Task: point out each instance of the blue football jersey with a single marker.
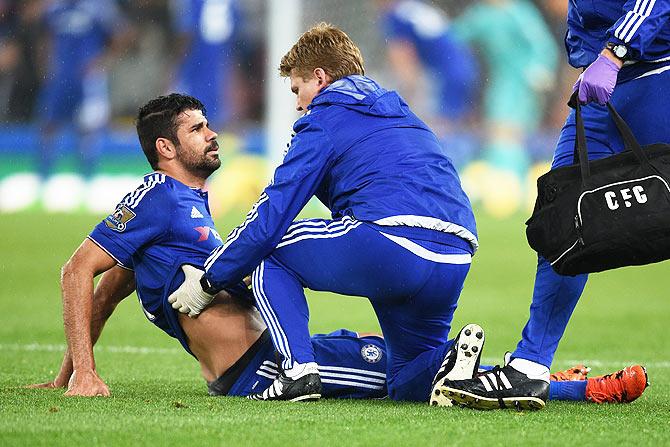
(153, 231)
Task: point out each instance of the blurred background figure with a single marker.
(20, 35)
(555, 12)
(207, 62)
(521, 61)
(85, 37)
(204, 54)
(429, 63)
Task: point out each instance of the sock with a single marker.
(569, 390)
(531, 369)
(302, 369)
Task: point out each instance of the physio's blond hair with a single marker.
(323, 46)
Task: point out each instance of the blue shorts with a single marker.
(350, 367)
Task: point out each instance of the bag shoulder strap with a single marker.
(581, 152)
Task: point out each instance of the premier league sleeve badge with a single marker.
(118, 220)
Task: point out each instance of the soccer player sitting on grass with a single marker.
(157, 228)
(166, 222)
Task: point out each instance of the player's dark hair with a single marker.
(158, 119)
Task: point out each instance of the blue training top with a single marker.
(153, 231)
(364, 154)
(642, 25)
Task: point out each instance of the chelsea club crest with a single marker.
(371, 353)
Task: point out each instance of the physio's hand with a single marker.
(597, 82)
(189, 298)
(86, 383)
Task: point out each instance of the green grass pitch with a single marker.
(159, 397)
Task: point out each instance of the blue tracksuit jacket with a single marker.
(364, 154)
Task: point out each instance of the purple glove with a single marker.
(597, 82)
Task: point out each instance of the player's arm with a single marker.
(114, 285)
(637, 28)
(295, 181)
(112, 242)
(88, 261)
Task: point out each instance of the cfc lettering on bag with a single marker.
(637, 193)
(640, 196)
(611, 201)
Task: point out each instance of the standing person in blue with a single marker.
(419, 42)
(207, 31)
(624, 49)
(155, 229)
(86, 37)
(402, 231)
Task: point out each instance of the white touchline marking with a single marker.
(39, 347)
(558, 364)
(592, 363)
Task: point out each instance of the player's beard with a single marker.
(201, 164)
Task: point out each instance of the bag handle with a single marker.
(629, 140)
(581, 153)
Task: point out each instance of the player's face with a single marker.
(197, 148)
(304, 89)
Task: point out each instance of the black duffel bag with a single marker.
(603, 214)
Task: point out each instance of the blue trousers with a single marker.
(643, 104)
(412, 284)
